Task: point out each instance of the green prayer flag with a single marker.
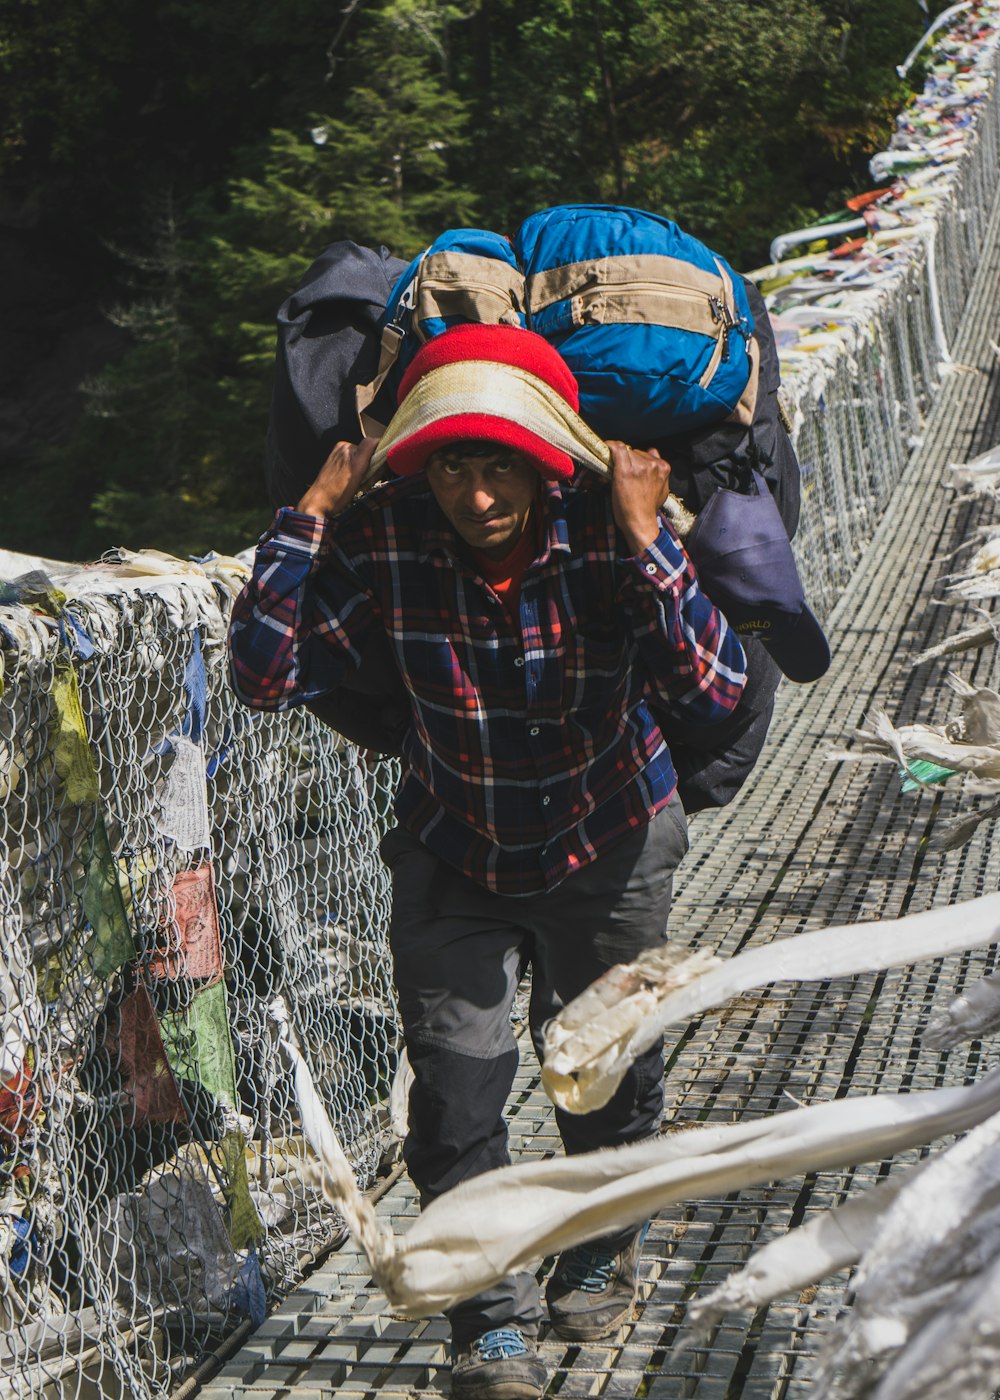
(920, 772)
(245, 1225)
(110, 944)
(199, 1045)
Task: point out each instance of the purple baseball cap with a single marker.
(745, 564)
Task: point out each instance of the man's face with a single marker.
(486, 491)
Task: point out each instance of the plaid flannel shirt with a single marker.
(532, 747)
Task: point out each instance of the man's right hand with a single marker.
(640, 483)
(339, 479)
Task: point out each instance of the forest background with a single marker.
(169, 169)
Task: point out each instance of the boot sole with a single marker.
(503, 1390)
(593, 1332)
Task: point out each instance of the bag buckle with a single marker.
(722, 314)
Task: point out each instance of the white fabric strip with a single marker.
(509, 1218)
(589, 1046)
(973, 1014)
(340, 1186)
(182, 815)
(498, 391)
(940, 1233)
(834, 1239)
(18, 1013)
(955, 1354)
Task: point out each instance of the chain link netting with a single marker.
(153, 907)
(858, 414)
(170, 864)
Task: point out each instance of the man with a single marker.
(531, 614)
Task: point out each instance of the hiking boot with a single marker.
(592, 1289)
(502, 1364)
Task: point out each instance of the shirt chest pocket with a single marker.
(595, 664)
(442, 672)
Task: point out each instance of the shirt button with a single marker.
(534, 729)
(519, 661)
(650, 568)
(546, 801)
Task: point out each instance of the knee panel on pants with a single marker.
(457, 1129)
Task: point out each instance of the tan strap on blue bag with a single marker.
(447, 285)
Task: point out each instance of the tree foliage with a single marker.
(218, 148)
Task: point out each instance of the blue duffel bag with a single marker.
(655, 326)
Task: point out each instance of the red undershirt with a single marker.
(504, 575)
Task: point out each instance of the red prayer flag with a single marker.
(192, 946)
(135, 1043)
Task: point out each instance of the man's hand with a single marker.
(339, 478)
(640, 483)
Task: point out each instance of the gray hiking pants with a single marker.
(458, 953)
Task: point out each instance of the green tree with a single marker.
(739, 119)
(278, 128)
(177, 425)
(105, 103)
(543, 79)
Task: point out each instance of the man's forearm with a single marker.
(693, 657)
(276, 657)
(272, 627)
(339, 479)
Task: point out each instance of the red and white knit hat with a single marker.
(493, 384)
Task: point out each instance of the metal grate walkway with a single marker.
(810, 843)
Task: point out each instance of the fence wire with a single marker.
(170, 864)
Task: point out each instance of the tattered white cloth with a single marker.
(19, 1013)
(510, 1218)
(507, 1219)
(927, 1242)
(182, 814)
(591, 1043)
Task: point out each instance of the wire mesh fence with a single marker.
(858, 411)
(171, 864)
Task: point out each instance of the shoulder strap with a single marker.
(447, 286)
(743, 413)
(365, 395)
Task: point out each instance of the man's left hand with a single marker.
(339, 479)
(640, 483)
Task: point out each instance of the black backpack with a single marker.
(329, 342)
